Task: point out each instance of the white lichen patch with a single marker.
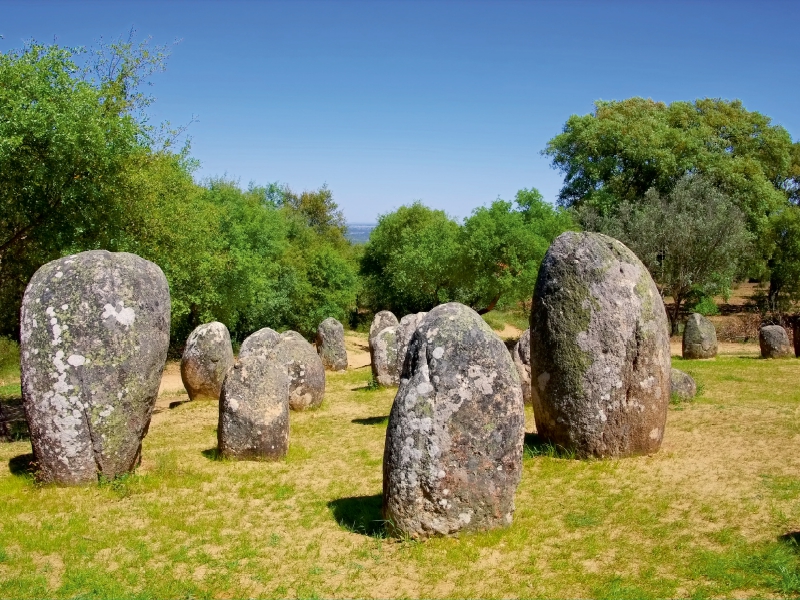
(124, 316)
(76, 360)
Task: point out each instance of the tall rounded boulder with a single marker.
(207, 357)
(383, 356)
(774, 342)
(254, 411)
(330, 345)
(94, 339)
(304, 368)
(699, 338)
(521, 355)
(453, 453)
(600, 357)
(259, 343)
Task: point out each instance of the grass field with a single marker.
(713, 514)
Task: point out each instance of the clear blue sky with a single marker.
(446, 102)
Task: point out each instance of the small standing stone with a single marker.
(206, 359)
(600, 356)
(699, 338)
(305, 370)
(453, 453)
(94, 339)
(774, 342)
(330, 345)
(383, 354)
(259, 343)
(521, 354)
(682, 385)
(382, 320)
(254, 411)
(796, 337)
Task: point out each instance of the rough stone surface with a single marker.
(94, 333)
(383, 355)
(330, 345)
(254, 411)
(259, 343)
(600, 357)
(405, 331)
(521, 354)
(774, 342)
(796, 338)
(304, 368)
(453, 453)
(206, 359)
(682, 385)
(382, 320)
(699, 338)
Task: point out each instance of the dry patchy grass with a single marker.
(700, 518)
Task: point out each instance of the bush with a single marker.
(706, 306)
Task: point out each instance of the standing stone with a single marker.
(405, 331)
(383, 355)
(305, 370)
(206, 359)
(254, 411)
(600, 356)
(521, 354)
(330, 345)
(699, 338)
(774, 342)
(796, 337)
(94, 333)
(453, 453)
(259, 343)
(682, 385)
(382, 320)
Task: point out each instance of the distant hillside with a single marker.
(358, 233)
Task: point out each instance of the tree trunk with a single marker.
(676, 311)
(491, 306)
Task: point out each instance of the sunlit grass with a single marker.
(713, 514)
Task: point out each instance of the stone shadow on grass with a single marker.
(211, 454)
(371, 420)
(535, 445)
(360, 514)
(23, 465)
(792, 538)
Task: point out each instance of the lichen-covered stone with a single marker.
(600, 358)
(94, 333)
(259, 343)
(254, 411)
(304, 368)
(774, 342)
(453, 453)
(206, 359)
(699, 338)
(330, 345)
(521, 355)
(383, 355)
(682, 385)
(405, 331)
(382, 320)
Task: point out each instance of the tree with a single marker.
(66, 144)
(502, 248)
(410, 262)
(623, 149)
(784, 263)
(693, 239)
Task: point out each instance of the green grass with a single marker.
(713, 514)
(497, 319)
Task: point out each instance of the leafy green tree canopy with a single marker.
(623, 149)
(692, 240)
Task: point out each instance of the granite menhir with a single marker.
(94, 333)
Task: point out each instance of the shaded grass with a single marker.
(714, 514)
